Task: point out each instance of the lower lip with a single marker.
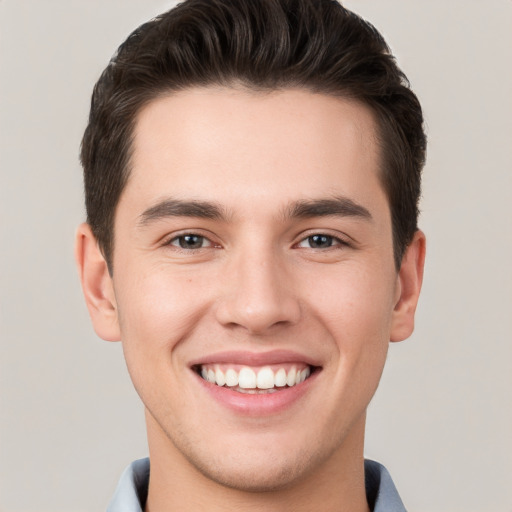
(258, 404)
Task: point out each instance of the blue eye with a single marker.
(190, 241)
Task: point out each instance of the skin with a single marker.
(256, 283)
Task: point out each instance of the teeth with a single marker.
(220, 380)
(265, 378)
(280, 378)
(250, 380)
(231, 378)
(290, 378)
(246, 378)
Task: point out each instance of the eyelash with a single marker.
(333, 241)
(176, 242)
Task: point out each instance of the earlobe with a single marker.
(97, 284)
(410, 278)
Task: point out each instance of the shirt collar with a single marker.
(132, 490)
(381, 492)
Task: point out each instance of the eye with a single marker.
(190, 241)
(320, 241)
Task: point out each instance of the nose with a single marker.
(257, 294)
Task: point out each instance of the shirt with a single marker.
(132, 490)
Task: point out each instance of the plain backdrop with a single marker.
(441, 420)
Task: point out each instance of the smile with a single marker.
(255, 380)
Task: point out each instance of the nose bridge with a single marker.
(257, 294)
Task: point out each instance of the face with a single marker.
(254, 287)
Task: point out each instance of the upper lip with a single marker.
(255, 358)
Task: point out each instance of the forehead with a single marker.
(218, 143)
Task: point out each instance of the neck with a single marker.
(337, 485)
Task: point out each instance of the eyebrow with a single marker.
(180, 208)
(302, 209)
(335, 206)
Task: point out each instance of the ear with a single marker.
(97, 285)
(409, 281)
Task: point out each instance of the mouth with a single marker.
(255, 379)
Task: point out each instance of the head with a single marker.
(270, 45)
(252, 174)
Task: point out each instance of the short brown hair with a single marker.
(316, 45)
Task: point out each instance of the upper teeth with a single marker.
(249, 378)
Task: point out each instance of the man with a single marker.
(252, 173)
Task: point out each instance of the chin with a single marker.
(243, 473)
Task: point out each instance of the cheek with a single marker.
(156, 314)
(157, 305)
(354, 304)
(356, 309)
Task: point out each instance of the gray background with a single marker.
(442, 418)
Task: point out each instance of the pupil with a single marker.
(320, 241)
(191, 242)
